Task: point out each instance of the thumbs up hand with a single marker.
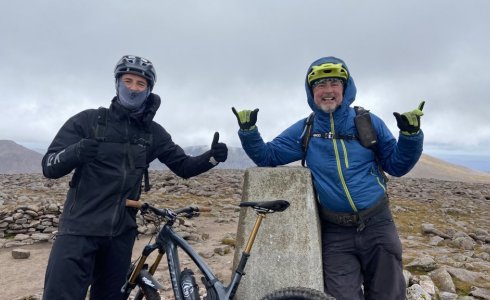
(219, 151)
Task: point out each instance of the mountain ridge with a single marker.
(16, 159)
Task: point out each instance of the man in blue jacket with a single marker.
(110, 150)
(362, 253)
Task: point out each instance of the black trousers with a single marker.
(77, 262)
(371, 258)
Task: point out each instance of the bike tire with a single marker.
(297, 293)
(146, 292)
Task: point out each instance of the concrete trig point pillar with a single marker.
(287, 250)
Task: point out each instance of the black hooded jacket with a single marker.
(96, 199)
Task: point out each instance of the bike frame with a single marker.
(168, 242)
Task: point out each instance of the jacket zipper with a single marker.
(123, 181)
(75, 199)
(339, 166)
(346, 159)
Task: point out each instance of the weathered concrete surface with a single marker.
(287, 250)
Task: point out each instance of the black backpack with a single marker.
(367, 134)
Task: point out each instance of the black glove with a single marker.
(409, 122)
(246, 118)
(219, 151)
(87, 150)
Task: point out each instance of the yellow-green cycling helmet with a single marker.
(327, 70)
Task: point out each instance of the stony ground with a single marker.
(444, 227)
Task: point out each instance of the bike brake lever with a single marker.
(191, 215)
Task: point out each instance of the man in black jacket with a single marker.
(110, 150)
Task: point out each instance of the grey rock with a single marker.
(435, 240)
(424, 263)
(466, 243)
(32, 213)
(40, 236)
(222, 250)
(416, 292)
(49, 229)
(448, 296)
(21, 237)
(21, 221)
(52, 208)
(17, 216)
(443, 280)
(20, 254)
(427, 285)
(480, 293)
(468, 276)
(407, 275)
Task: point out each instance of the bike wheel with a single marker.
(146, 292)
(297, 293)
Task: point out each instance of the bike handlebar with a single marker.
(143, 206)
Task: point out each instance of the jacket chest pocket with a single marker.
(139, 155)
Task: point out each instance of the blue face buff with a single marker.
(130, 99)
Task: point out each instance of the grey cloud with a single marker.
(59, 57)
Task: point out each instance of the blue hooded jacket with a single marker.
(345, 174)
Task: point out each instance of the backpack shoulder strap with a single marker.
(360, 110)
(365, 129)
(367, 135)
(97, 134)
(100, 127)
(307, 136)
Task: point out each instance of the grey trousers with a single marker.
(371, 258)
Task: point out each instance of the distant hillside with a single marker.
(16, 159)
(237, 158)
(431, 167)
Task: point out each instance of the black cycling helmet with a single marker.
(136, 65)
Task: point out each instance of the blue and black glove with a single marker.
(409, 122)
(219, 151)
(86, 150)
(246, 118)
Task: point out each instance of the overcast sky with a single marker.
(57, 58)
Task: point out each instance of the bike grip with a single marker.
(204, 209)
(133, 203)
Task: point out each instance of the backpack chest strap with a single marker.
(331, 136)
(138, 140)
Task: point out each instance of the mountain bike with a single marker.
(184, 285)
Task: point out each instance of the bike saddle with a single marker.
(267, 206)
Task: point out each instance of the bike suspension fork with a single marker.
(141, 263)
(155, 264)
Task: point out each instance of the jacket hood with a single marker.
(349, 91)
(152, 105)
